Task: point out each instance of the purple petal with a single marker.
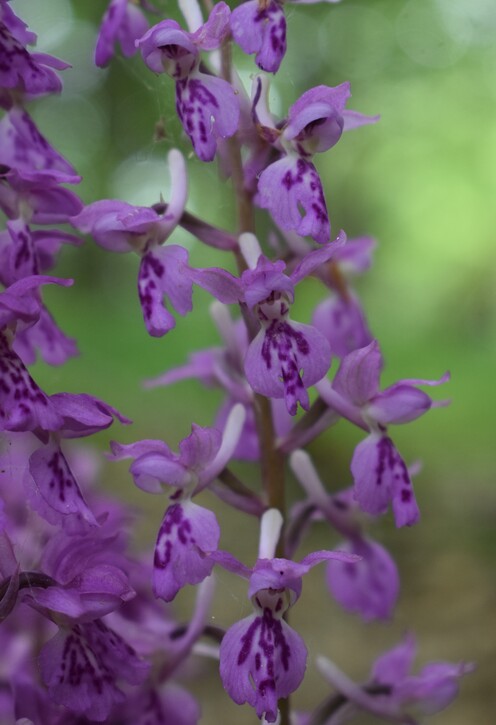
(188, 532)
(219, 282)
(20, 300)
(26, 151)
(353, 119)
(200, 447)
(286, 187)
(155, 465)
(53, 491)
(21, 260)
(123, 22)
(16, 26)
(211, 35)
(343, 324)
(394, 665)
(45, 335)
(80, 667)
(368, 587)
(267, 277)
(261, 30)
(435, 687)
(140, 448)
(356, 256)
(84, 414)
(95, 592)
(380, 476)
(357, 378)
(164, 271)
(208, 108)
(229, 562)
(167, 48)
(28, 73)
(398, 404)
(286, 358)
(317, 257)
(277, 574)
(335, 97)
(23, 405)
(104, 221)
(261, 660)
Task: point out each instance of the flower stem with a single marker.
(271, 458)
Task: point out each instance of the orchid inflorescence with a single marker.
(87, 633)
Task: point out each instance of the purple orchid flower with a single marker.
(23, 405)
(24, 150)
(340, 318)
(188, 532)
(222, 367)
(50, 484)
(259, 26)
(379, 472)
(262, 659)
(292, 184)
(17, 27)
(81, 665)
(38, 202)
(370, 586)
(90, 571)
(121, 227)
(207, 106)
(286, 357)
(22, 72)
(122, 23)
(429, 692)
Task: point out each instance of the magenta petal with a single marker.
(208, 108)
(286, 187)
(286, 358)
(163, 272)
(53, 490)
(188, 532)
(368, 587)
(261, 660)
(261, 31)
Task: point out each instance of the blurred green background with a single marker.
(422, 182)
